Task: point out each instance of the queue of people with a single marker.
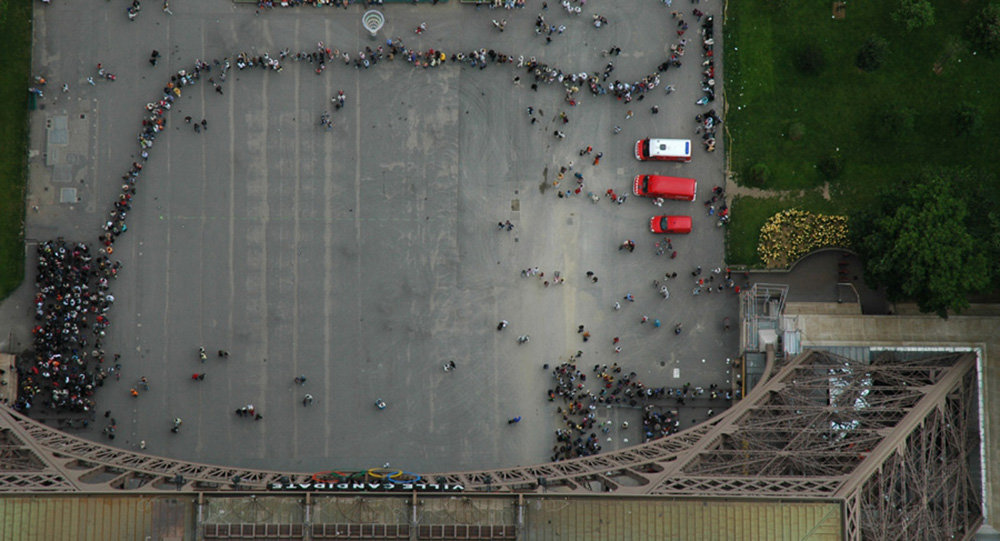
(268, 4)
(482, 58)
(710, 121)
(708, 46)
(73, 294)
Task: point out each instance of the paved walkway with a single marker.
(367, 256)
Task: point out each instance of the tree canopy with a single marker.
(919, 247)
(914, 14)
(984, 29)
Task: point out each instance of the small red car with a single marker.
(670, 224)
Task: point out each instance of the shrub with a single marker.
(968, 119)
(872, 54)
(790, 234)
(913, 14)
(796, 131)
(892, 122)
(809, 59)
(984, 29)
(831, 165)
(758, 175)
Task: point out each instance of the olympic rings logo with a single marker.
(382, 474)
(394, 476)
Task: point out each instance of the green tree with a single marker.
(968, 119)
(873, 54)
(758, 175)
(893, 122)
(809, 59)
(831, 165)
(914, 14)
(994, 238)
(918, 246)
(984, 29)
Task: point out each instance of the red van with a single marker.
(683, 189)
(671, 150)
(670, 224)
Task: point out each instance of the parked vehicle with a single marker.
(671, 150)
(657, 186)
(670, 224)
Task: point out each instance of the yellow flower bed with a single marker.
(790, 234)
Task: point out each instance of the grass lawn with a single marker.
(928, 72)
(15, 77)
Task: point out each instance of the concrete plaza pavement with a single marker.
(367, 256)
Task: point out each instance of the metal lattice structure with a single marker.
(896, 440)
(761, 307)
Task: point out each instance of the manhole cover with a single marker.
(515, 205)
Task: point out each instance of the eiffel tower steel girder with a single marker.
(896, 440)
(925, 486)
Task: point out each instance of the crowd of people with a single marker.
(705, 283)
(71, 303)
(580, 403)
(658, 422)
(716, 204)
